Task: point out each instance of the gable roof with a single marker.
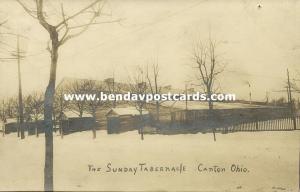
(126, 111)
(73, 114)
(11, 120)
(198, 105)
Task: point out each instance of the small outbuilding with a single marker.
(126, 119)
(2, 126)
(35, 126)
(73, 122)
(11, 125)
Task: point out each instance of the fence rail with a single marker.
(196, 121)
(281, 124)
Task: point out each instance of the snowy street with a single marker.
(261, 161)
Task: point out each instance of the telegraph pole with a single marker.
(291, 103)
(21, 117)
(250, 94)
(17, 55)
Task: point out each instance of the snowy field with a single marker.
(270, 161)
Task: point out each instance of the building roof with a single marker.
(11, 120)
(126, 111)
(75, 114)
(198, 105)
(40, 117)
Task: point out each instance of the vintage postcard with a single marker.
(150, 95)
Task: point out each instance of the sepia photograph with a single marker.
(150, 95)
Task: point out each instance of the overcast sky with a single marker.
(258, 44)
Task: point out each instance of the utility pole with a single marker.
(290, 99)
(288, 94)
(21, 116)
(250, 94)
(17, 55)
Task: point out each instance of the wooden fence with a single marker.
(281, 124)
(234, 121)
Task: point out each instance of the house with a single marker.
(11, 125)
(35, 126)
(2, 126)
(72, 122)
(126, 119)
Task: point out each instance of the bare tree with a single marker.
(112, 88)
(60, 105)
(138, 86)
(92, 105)
(59, 33)
(208, 67)
(153, 82)
(34, 108)
(11, 107)
(79, 87)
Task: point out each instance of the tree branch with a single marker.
(30, 12)
(76, 14)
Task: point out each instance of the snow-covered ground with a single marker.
(271, 160)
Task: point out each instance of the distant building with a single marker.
(167, 87)
(197, 114)
(11, 125)
(109, 81)
(126, 119)
(72, 122)
(2, 124)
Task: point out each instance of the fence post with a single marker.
(294, 122)
(3, 130)
(226, 129)
(256, 124)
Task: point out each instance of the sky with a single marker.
(256, 44)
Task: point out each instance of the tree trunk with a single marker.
(36, 129)
(48, 170)
(3, 130)
(211, 117)
(19, 124)
(61, 130)
(94, 131)
(210, 102)
(48, 111)
(157, 111)
(141, 125)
